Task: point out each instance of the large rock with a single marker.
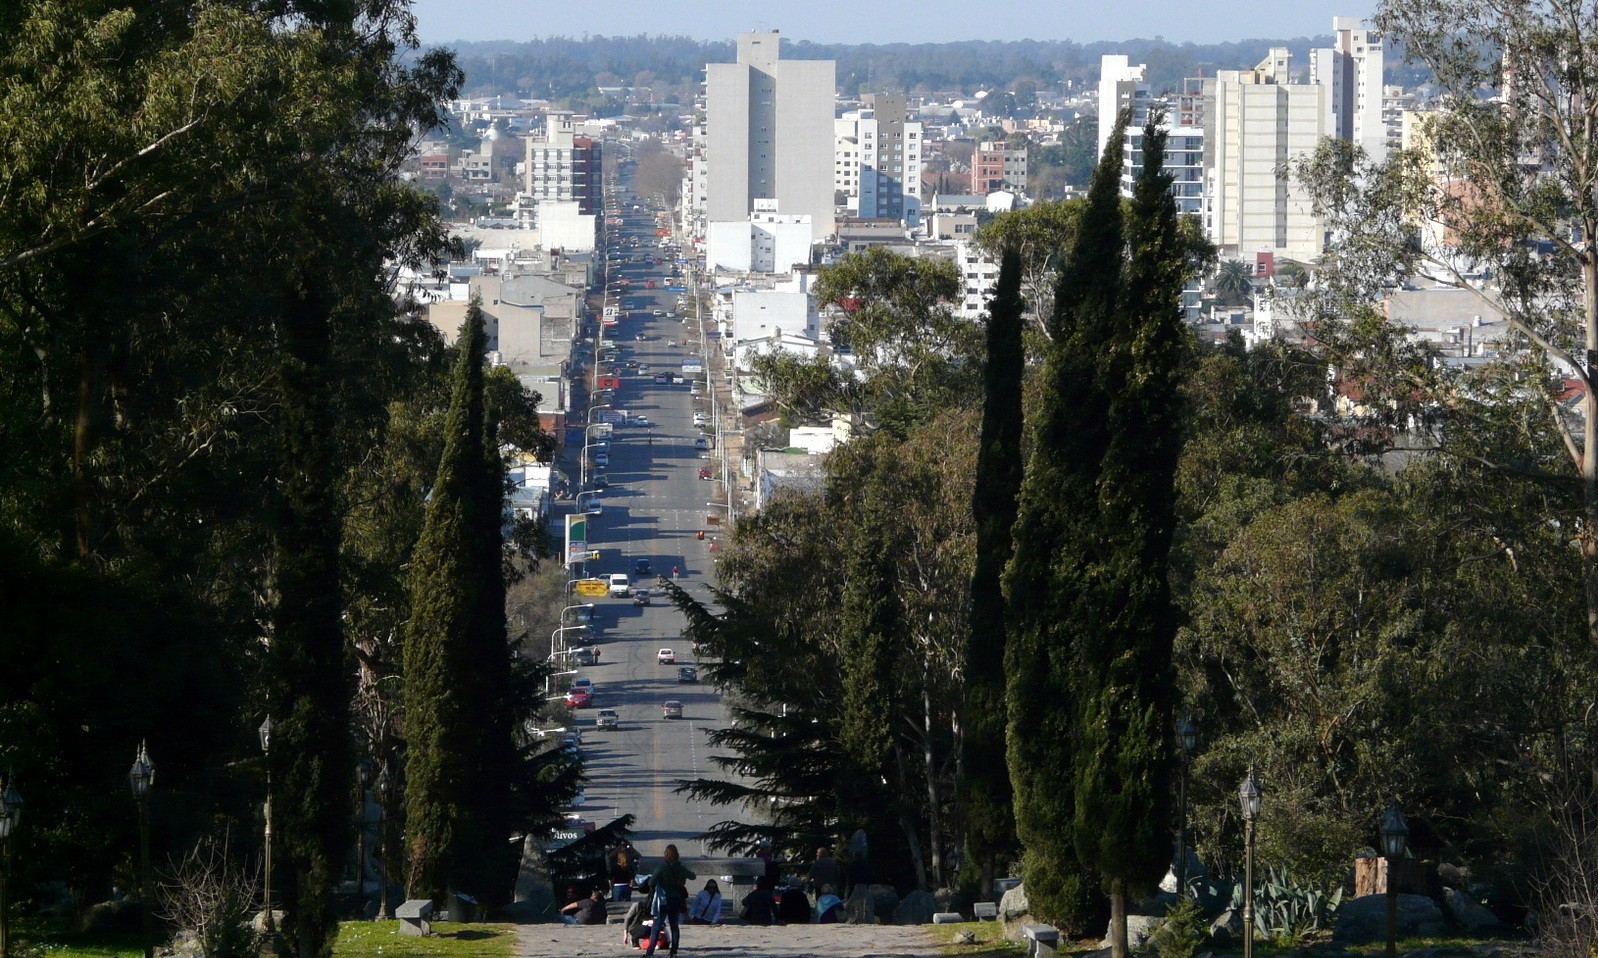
(861, 908)
(1015, 911)
(1365, 918)
(1467, 913)
(917, 908)
(1138, 930)
(1227, 929)
(111, 916)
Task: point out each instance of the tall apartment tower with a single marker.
(1351, 69)
(1255, 122)
(1121, 84)
(769, 134)
(996, 165)
(562, 166)
(877, 161)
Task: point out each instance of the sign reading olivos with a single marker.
(593, 588)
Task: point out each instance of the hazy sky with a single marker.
(886, 21)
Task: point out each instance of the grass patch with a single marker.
(381, 939)
(990, 942)
(50, 941)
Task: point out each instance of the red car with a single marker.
(579, 698)
(704, 472)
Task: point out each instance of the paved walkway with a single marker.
(740, 941)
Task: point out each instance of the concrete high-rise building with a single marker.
(1351, 70)
(1120, 85)
(562, 166)
(1255, 123)
(1184, 160)
(996, 165)
(877, 161)
(768, 134)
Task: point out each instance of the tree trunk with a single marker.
(907, 824)
(1589, 449)
(87, 432)
(934, 796)
(1118, 947)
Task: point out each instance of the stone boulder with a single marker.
(111, 916)
(861, 908)
(885, 900)
(1365, 918)
(1227, 929)
(917, 908)
(965, 938)
(1015, 911)
(1138, 930)
(945, 898)
(1468, 914)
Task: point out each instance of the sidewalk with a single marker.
(735, 941)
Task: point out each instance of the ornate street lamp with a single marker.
(1395, 841)
(363, 774)
(1248, 796)
(10, 816)
(384, 782)
(141, 777)
(266, 750)
(1187, 738)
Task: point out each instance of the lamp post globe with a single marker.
(1187, 735)
(266, 734)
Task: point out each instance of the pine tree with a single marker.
(1049, 585)
(1123, 663)
(447, 595)
(984, 785)
(310, 687)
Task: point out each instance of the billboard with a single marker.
(576, 538)
(592, 588)
(608, 382)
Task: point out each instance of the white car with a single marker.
(601, 458)
(666, 657)
(607, 719)
(620, 585)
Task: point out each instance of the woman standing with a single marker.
(669, 884)
(706, 909)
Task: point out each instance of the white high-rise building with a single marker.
(768, 134)
(1255, 123)
(1351, 70)
(1120, 85)
(877, 161)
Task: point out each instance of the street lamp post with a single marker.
(10, 817)
(363, 773)
(384, 782)
(266, 883)
(1395, 839)
(140, 779)
(1187, 738)
(1248, 796)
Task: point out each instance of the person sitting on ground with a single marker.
(829, 907)
(794, 907)
(586, 911)
(824, 871)
(706, 909)
(759, 907)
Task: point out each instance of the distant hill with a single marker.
(568, 68)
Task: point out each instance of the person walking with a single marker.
(670, 888)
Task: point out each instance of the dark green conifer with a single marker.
(984, 785)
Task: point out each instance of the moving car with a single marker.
(641, 567)
(687, 674)
(607, 719)
(585, 683)
(579, 698)
(642, 596)
(620, 585)
(666, 657)
(671, 709)
(584, 657)
(595, 507)
(704, 472)
(601, 459)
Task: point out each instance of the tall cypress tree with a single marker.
(310, 685)
(447, 596)
(1122, 788)
(984, 786)
(1049, 584)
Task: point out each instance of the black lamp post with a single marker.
(1395, 839)
(141, 777)
(383, 783)
(10, 817)
(363, 774)
(1187, 738)
(266, 749)
(1248, 796)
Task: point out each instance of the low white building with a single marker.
(562, 225)
(768, 242)
(785, 308)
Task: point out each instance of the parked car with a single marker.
(704, 472)
(579, 698)
(607, 719)
(658, 312)
(666, 657)
(620, 585)
(595, 507)
(585, 657)
(601, 459)
(671, 709)
(687, 674)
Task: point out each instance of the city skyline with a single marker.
(895, 21)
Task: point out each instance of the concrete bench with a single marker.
(415, 918)
(1042, 941)
(947, 918)
(985, 911)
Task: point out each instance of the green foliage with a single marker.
(1184, 929)
(1288, 912)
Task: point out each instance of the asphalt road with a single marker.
(653, 508)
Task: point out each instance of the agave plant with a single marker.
(1287, 912)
